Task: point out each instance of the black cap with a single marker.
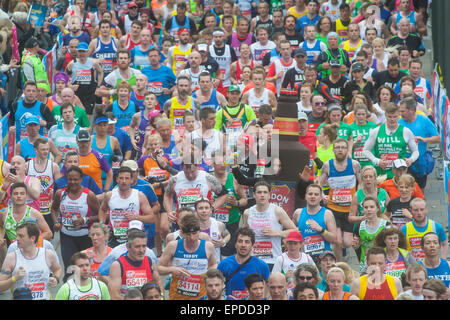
(22, 293)
(357, 67)
(31, 43)
(83, 135)
(300, 52)
(335, 63)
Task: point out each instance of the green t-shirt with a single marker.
(80, 117)
(248, 116)
(64, 291)
(344, 131)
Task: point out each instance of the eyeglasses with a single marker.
(303, 278)
(319, 103)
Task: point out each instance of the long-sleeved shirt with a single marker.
(408, 136)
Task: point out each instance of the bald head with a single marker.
(67, 95)
(277, 286)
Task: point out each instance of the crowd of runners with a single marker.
(138, 151)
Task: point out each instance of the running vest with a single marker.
(47, 182)
(138, 100)
(196, 263)
(352, 50)
(177, 111)
(342, 186)
(141, 58)
(175, 26)
(389, 148)
(193, 76)
(357, 153)
(130, 44)
(30, 201)
(326, 295)
(265, 248)
(224, 62)
(123, 116)
(342, 30)
(108, 52)
(315, 243)
(117, 209)
(384, 291)
(239, 70)
(22, 113)
(27, 150)
(179, 57)
(93, 293)
(214, 233)
(134, 275)
(227, 214)
(381, 196)
(235, 43)
(142, 129)
(127, 22)
(414, 237)
(73, 209)
(411, 17)
(211, 103)
(441, 272)
(94, 265)
(83, 75)
(107, 152)
(64, 141)
(281, 66)
(233, 125)
(367, 239)
(36, 277)
(311, 51)
(188, 192)
(255, 102)
(398, 267)
(10, 225)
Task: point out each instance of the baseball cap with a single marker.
(328, 253)
(300, 52)
(295, 236)
(135, 224)
(101, 119)
(234, 87)
(357, 67)
(22, 293)
(302, 116)
(132, 4)
(398, 163)
(82, 46)
(32, 119)
(130, 164)
(335, 63)
(31, 43)
(83, 135)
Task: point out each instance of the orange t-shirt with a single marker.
(153, 170)
(393, 192)
(93, 164)
(269, 85)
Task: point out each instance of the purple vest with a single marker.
(235, 43)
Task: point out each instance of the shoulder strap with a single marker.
(237, 269)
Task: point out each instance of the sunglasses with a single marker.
(303, 278)
(319, 103)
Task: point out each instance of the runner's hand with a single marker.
(178, 271)
(172, 216)
(406, 213)
(218, 243)
(78, 222)
(408, 162)
(57, 226)
(52, 282)
(356, 242)
(325, 198)
(20, 273)
(314, 225)
(383, 164)
(306, 173)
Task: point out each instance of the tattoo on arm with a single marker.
(5, 272)
(216, 185)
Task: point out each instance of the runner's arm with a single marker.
(114, 281)
(6, 280)
(52, 261)
(34, 189)
(46, 233)
(331, 231)
(94, 205)
(148, 215)
(103, 211)
(369, 145)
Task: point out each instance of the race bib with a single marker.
(68, 218)
(37, 290)
(358, 153)
(239, 294)
(342, 197)
(120, 228)
(418, 254)
(263, 249)
(222, 214)
(155, 87)
(314, 243)
(189, 286)
(188, 197)
(83, 76)
(136, 278)
(390, 158)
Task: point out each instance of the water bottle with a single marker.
(227, 204)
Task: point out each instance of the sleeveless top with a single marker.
(396, 268)
(22, 113)
(73, 209)
(134, 276)
(175, 26)
(351, 50)
(441, 272)
(342, 186)
(177, 111)
(64, 141)
(123, 116)
(255, 102)
(326, 296)
(83, 75)
(10, 225)
(188, 192)
(311, 52)
(239, 70)
(130, 44)
(36, 277)
(367, 238)
(227, 214)
(30, 201)
(94, 265)
(265, 248)
(235, 42)
(224, 62)
(93, 293)
(196, 263)
(342, 30)
(117, 209)
(179, 57)
(315, 243)
(27, 150)
(214, 234)
(47, 183)
(414, 237)
(385, 291)
(211, 103)
(108, 52)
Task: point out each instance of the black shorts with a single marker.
(342, 222)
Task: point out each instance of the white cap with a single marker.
(135, 224)
(398, 163)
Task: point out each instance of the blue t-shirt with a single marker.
(236, 283)
(421, 127)
(158, 79)
(124, 140)
(302, 22)
(148, 191)
(441, 272)
(87, 182)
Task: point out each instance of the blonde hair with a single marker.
(369, 168)
(101, 226)
(154, 137)
(379, 41)
(407, 179)
(336, 270)
(350, 274)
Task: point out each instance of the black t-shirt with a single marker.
(293, 78)
(295, 39)
(412, 41)
(336, 89)
(384, 78)
(395, 206)
(210, 65)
